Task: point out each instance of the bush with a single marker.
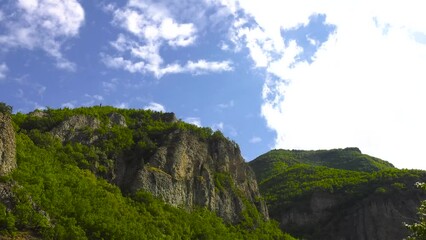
(4, 108)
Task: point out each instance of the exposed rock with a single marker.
(117, 119)
(377, 217)
(188, 171)
(7, 145)
(164, 117)
(73, 129)
(6, 195)
(38, 113)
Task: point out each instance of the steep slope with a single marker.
(152, 157)
(7, 144)
(319, 202)
(190, 171)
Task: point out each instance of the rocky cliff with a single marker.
(373, 217)
(182, 168)
(338, 194)
(7, 145)
(189, 171)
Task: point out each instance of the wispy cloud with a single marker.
(70, 105)
(22, 96)
(218, 126)
(93, 99)
(122, 105)
(43, 24)
(148, 26)
(229, 104)
(3, 70)
(193, 120)
(255, 140)
(155, 107)
(109, 86)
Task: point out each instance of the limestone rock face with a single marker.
(378, 217)
(7, 145)
(117, 119)
(188, 171)
(73, 129)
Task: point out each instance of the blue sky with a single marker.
(269, 75)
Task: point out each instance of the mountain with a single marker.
(107, 173)
(338, 194)
(347, 159)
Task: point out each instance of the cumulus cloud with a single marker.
(364, 86)
(148, 26)
(43, 24)
(3, 70)
(155, 107)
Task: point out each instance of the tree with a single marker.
(418, 229)
(4, 108)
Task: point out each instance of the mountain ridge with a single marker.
(71, 163)
(333, 198)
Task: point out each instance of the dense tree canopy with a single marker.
(60, 191)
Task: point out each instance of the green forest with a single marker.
(60, 190)
(288, 179)
(64, 188)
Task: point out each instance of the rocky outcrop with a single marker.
(373, 217)
(74, 128)
(7, 145)
(80, 128)
(185, 170)
(188, 171)
(117, 119)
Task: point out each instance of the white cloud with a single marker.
(218, 126)
(43, 24)
(193, 120)
(70, 105)
(149, 26)
(109, 86)
(3, 70)
(98, 97)
(122, 105)
(202, 66)
(229, 104)
(94, 99)
(155, 107)
(255, 140)
(365, 86)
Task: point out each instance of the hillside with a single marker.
(338, 194)
(107, 173)
(271, 162)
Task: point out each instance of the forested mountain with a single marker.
(107, 173)
(338, 194)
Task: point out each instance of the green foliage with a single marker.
(4, 108)
(289, 179)
(418, 229)
(7, 221)
(274, 161)
(61, 196)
